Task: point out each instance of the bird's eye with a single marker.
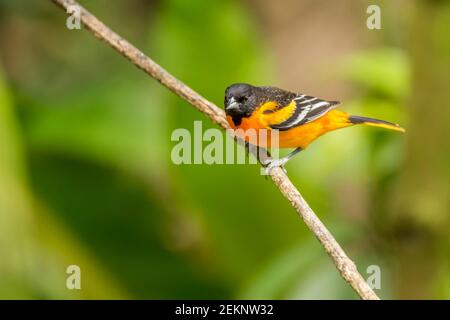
(241, 99)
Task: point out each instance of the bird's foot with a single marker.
(269, 165)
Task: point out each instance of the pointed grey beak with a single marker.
(232, 105)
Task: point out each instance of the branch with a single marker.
(345, 266)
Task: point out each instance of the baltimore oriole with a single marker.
(299, 118)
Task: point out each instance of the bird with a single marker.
(299, 118)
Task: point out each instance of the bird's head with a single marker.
(240, 100)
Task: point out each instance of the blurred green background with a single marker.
(86, 176)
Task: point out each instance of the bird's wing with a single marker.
(301, 110)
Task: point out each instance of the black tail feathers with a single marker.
(375, 123)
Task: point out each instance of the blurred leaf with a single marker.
(272, 279)
(118, 126)
(30, 267)
(383, 71)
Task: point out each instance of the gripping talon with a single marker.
(272, 164)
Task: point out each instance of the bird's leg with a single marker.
(263, 154)
(259, 152)
(247, 147)
(271, 164)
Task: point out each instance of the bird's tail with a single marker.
(375, 123)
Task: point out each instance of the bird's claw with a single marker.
(272, 164)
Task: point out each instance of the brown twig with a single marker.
(342, 262)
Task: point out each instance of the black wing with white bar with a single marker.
(307, 109)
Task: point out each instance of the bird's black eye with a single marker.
(241, 99)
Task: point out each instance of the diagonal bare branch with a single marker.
(343, 263)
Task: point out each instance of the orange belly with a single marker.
(300, 136)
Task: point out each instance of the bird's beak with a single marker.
(232, 105)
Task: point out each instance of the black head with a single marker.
(240, 100)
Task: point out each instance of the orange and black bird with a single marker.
(299, 118)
